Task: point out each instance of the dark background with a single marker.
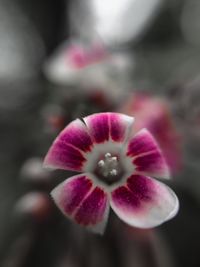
(167, 64)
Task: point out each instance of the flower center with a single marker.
(109, 169)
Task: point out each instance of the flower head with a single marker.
(116, 166)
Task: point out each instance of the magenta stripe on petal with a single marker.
(64, 156)
(146, 154)
(83, 203)
(144, 202)
(141, 187)
(108, 126)
(76, 134)
(70, 194)
(124, 197)
(142, 142)
(98, 125)
(137, 190)
(92, 209)
(152, 164)
(119, 126)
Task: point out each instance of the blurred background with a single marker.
(60, 60)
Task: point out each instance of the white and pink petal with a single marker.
(146, 155)
(144, 202)
(64, 156)
(80, 57)
(152, 164)
(109, 127)
(83, 202)
(69, 149)
(76, 134)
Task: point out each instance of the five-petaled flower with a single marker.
(116, 167)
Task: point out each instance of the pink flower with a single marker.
(71, 62)
(116, 167)
(89, 66)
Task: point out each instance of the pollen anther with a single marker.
(109, 165)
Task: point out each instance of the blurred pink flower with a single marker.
(89, 66)
(80, 57)
(116, 166)
(153, 113)
(72, 60)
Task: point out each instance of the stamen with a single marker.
(109, 166)
(101, 163)
(107, 155)
(113, 172)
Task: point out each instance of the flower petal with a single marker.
(154, 114)
(76, 134)
(120, 126)
(83, 202)
(64, 156)
(146, 155)
(80, 57)
(68, 150)
(144, 202)
(108, 126)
